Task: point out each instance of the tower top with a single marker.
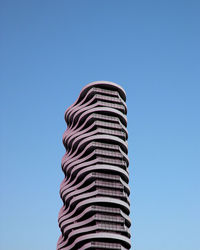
(105, 84)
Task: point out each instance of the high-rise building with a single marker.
(95, 190)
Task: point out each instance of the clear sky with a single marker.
(48, 51)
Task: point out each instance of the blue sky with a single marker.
(49, 50)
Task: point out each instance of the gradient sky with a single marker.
(48, 51)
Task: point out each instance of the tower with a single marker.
(95, 190)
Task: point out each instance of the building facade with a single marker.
(95, 190)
